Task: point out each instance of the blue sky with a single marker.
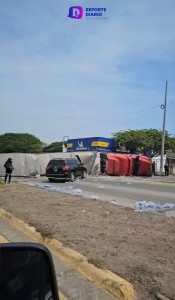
(81, 78)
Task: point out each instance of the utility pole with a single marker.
(64, 149)
(163, 106)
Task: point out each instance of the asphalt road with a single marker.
(122, 192)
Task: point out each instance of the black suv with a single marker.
(66, 169)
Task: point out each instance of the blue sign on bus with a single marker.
(91, 144)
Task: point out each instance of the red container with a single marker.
(129, 164)
(123, 166)
(142, 165)
(119, 164)
(113, 165)
(145, 166)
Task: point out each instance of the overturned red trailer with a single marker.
(119, 164)
(128, 164)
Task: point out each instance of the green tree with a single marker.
(20, 142)
(54, 147)
(145, 140)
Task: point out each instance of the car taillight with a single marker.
(47, 168)
(66, 168)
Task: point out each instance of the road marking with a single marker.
(4, 240)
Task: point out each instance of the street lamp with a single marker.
(163, 106)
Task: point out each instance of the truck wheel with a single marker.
(51, 179)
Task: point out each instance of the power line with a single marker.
(126, 115)
(111, 119)
(123, 115)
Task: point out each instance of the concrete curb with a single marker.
(154, 181)
(161, 181)
(118, 287)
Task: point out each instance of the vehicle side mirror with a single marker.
(27, 272)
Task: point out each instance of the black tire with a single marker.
(72, 176)
(84, 176)
(51, 179)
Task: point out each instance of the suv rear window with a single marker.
(71, 162)
(57, 162)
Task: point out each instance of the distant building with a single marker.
(157, 160)
(170, 156)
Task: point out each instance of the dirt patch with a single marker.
(137, 247)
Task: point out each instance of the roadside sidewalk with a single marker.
(72, 284)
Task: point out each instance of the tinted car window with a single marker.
(57, 163)
(72, 162)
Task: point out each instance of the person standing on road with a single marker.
(153, 168)
(8, 170)
(166, 167)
